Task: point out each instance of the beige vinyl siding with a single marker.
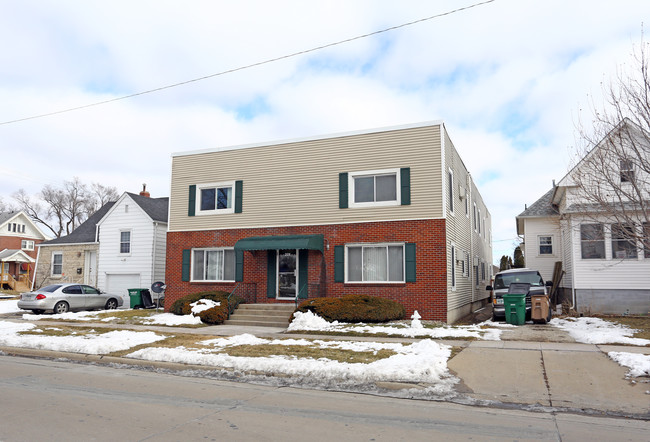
(296, 183)
(460, 231)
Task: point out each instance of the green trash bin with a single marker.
(136, 298)
(514, 305)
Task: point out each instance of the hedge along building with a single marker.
(389, 212)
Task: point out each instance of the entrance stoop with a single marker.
(262, 315)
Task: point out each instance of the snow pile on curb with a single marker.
(423, 361)
(638, 364)
(88, 343)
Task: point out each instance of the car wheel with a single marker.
(37, 311)
(111, 304)
(61, 307)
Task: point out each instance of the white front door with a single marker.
(287, 274)
(90, 271)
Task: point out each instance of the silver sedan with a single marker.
(61, 298)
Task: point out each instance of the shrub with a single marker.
(214, 315)
(354, 308)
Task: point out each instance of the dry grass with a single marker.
(305, 351)
(639, 323)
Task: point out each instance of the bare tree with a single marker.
(4, 207)
(613, 173)
(62, 209)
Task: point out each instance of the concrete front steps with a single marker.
(262, 315)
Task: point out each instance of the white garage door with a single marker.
(119, 284)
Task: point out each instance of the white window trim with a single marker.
(216, 211)
(539, 245)
(450, 191)
(454, 273)
(382, 244)
(26, 244)
(56, 275)
(398, 188)
(119, 245)
(209, 249)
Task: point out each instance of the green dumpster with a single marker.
(515, 308)
(136, 298)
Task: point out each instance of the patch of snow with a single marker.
(9, 306)
(171, 319)
(638, 364)
(423, 361)
(69, 316)
(90, 343)
(310, 322)
(597, 331)
(202, 305)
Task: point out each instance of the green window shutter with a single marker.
(239, 185)
(185, 269)
(339, 263)
(303, 273)
(343, 190)
(405, 179)
(239, 265)
(191, 203)
(409, 256)
(271, 273)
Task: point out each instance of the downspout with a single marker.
(153, 253)
(38, 255)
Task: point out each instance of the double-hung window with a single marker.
(213, 265)
(57, 263)
(215, 198)
(375, 188)
(592, 241)
(623, 241)
(450, 190)
(27, 244)
(125, 241)
(626, 168)
(545, 245)
(375, 263)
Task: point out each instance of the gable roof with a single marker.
(156, 208)
(85, 233)
(8, 255)
(541, 208)
(8, 216)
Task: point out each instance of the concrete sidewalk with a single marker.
(508, 373)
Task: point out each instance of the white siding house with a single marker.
(132, 244)
(602, 273)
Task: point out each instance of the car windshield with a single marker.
(50, 288)
(503, 281)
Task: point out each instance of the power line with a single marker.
(229, 71)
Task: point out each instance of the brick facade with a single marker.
(428, 295)
(15, 243)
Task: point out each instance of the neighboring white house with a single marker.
(603, 272)
(132, 242)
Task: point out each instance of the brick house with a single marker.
(19, 237)
(389, 212)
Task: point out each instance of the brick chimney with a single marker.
(144, 191)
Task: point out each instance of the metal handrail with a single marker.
(298, 294)
(230, 296)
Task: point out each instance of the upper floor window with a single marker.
(545, 245)
(623, 241)
(452, 270)
(213, 265)
(375, 188)
(57, 263)
(125, 241)
(27, 244)
(215, 198)
(646, 240)
(375, 263)
(450, 183)
(626, 171)
(592, 241)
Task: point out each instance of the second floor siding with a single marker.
(298, 183)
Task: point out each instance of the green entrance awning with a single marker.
(302, 242)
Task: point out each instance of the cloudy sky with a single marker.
(509, 78)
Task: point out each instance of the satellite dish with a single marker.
(158, 287)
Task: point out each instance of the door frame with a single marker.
(277, 274)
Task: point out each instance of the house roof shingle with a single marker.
(156, 208)
(541, 207)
